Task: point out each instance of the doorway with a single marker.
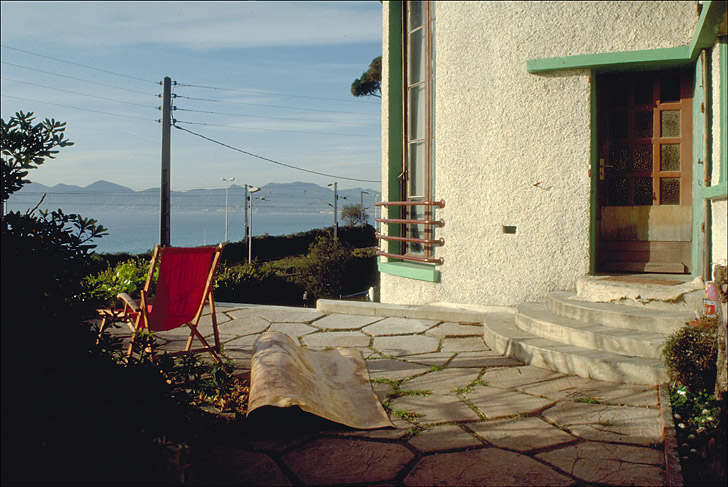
(644, 194)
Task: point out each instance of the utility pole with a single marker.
(336, 211)
(251, 190)
(164, 233)
(245, 210)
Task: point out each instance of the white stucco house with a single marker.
(526, 144)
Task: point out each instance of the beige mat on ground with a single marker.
(332, 384)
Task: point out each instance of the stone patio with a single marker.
(464, 414)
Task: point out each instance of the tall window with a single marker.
(419, 132)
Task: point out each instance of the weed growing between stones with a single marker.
(470, 387)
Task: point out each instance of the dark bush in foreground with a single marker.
(255, 283)
(690, 355)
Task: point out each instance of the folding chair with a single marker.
(184, 286)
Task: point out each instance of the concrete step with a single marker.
(502, 335)
(618, 315)
(537, 319)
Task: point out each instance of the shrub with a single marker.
(690, 356)
(325, 269)
(254, 283)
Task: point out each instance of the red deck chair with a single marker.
(184, 286)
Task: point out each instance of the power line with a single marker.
(78, 79)
(275, 106)
(77, 93)
(268, 93)
(270, 118)
(273, 130)
(78, 108)
(79, 64)
(271, 160)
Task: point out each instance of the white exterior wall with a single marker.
(500, 130)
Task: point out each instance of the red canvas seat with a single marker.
(184, 286)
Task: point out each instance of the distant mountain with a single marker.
(296, 197)
(107, 187)
(65, 188)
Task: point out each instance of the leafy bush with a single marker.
(126, 277)
(690, 356)
(324, 270)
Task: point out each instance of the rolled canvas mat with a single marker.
(332, 384)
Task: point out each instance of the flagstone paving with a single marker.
(463, 414)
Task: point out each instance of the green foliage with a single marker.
(371, 80)
(25, 146)
(354, 214)
(690, 356)
(126, 277)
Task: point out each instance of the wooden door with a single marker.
(644, 218)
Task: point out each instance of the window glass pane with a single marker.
(618, 125)
(670, 157)
(643, 91)
(619, 158)
(670, 191)
(432, 48)
(642, 191)
(670, 123)
(618, 191)
(416, 72)
(642, 158)
(416, 231)
(417, 112)
(417, 170)
(643, 124)
(416, 11)
(670, 88)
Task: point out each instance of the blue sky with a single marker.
(271, 78)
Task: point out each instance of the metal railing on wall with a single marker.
(411, 221)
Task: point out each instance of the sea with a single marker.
(197, 217)
(137, 232)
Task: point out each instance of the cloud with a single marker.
(192, 25)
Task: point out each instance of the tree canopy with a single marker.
(26, 145)
(354, 214)
(371, 80)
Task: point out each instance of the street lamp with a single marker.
(251, 190)
(227, 187)
(361, 207)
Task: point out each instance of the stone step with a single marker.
(537, 319)
(503, 336)
(617, 315)
(653, 291)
